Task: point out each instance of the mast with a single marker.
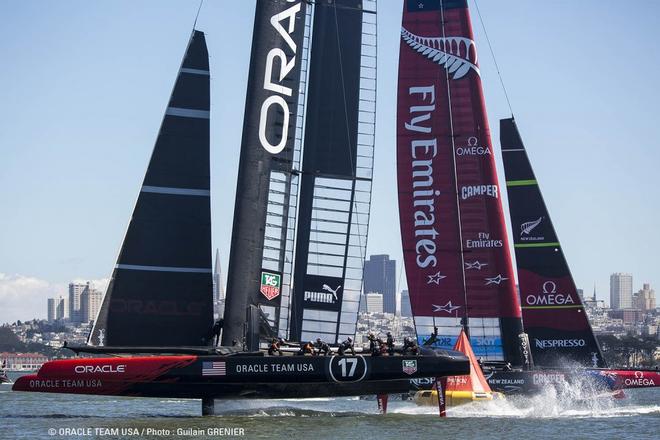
(261, 255)
(554, 316)
(335, 195)
(452, 226)
(162, 279)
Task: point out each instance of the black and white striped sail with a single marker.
(160, 293)
(335, 194)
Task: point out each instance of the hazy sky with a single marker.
(83, 88)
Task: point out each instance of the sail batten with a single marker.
(162, 278)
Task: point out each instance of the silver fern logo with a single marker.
(451, 52)
(527, 227)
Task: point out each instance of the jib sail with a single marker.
(336, 173)
(261, 255)
(455, 246)
(160, 293)
(553, 313)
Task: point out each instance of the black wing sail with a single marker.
(335, 195)
(261, 255)
(553, 314)
(160, 293)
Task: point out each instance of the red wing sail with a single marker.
(554, 317)
(452, 226)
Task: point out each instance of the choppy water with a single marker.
(36, 415)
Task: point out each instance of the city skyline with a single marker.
(96, 124)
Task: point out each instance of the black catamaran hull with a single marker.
(239, 376)
(534, 381)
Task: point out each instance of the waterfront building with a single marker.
(23, 361)
(380, 276)
(621, 291)
(374, 302)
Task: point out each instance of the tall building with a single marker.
(75, 290)
(56, 309)
(218, 287)
(52, 309)
(645, 298)
(90, 304)
(380, 276)
(621, 291)
(374, 302)
(406, 310)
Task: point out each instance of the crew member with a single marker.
(390, 344)
(346, 345)
(216, 329)
(372, 342)
(433, 338)
(275, 348)
(322, 347)
(409, 346)
(308, 348)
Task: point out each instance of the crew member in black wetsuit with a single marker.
(434, 337)
(409, 346)
(275, 348)
(214, 333)
(373, 345)
(346, 345)
(390, 344)
(322, 347)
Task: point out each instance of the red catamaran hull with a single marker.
(238, 376)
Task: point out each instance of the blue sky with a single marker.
(84, 85)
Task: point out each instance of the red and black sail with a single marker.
(454, 238)
(553, 313)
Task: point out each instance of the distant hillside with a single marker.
(9, 341)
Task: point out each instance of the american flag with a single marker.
(214, 369)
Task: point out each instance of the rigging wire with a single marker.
(492, 54)
(201, 2)
(458, 203)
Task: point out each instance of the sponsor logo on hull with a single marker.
(409, 366)
(91, 369)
